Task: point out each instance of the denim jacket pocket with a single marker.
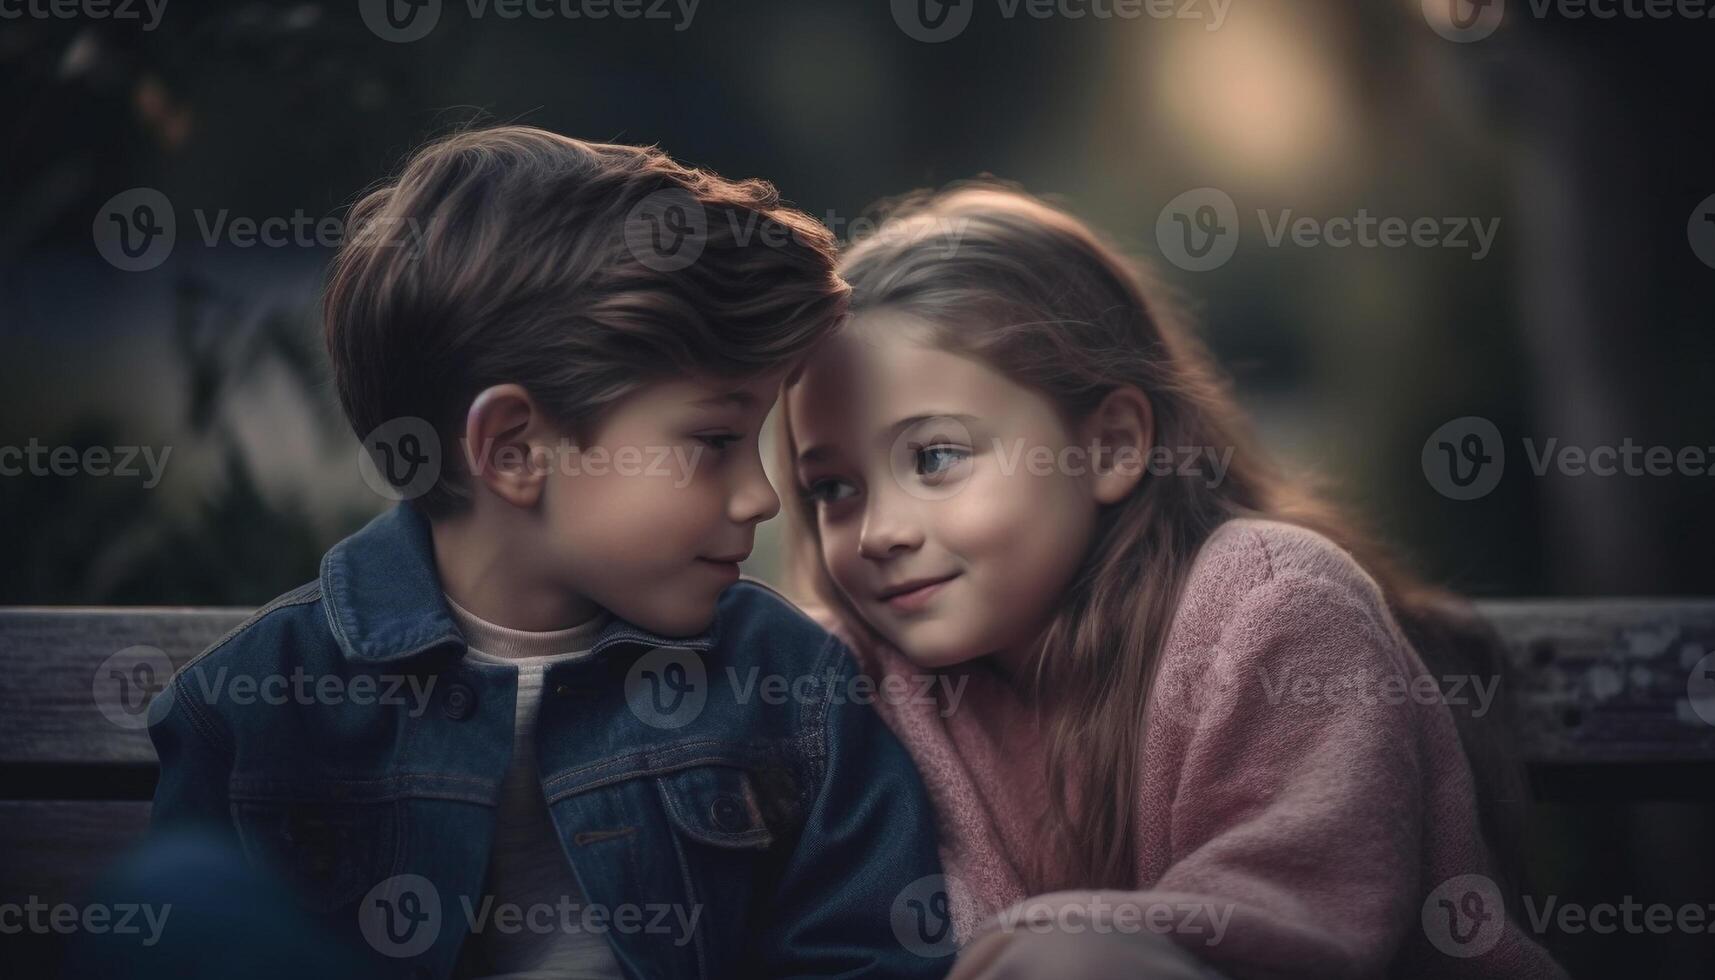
(332, 851)
(715, 805)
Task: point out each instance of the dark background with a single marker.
(1589, 321)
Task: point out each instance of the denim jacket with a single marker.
(344, 738)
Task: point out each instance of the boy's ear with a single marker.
(1122, 428)
(507, 437)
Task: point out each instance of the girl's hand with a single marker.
(1031, 955)
(976, 958)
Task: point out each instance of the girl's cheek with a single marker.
(839, 556)
(990, 510)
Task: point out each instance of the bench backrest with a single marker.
(1608, 699)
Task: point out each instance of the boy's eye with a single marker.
(936, 460)
(829, 490)
(718, 440)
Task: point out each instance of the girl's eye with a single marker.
(829, 491)
(718, 441)
(935, 460)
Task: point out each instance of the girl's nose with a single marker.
(888, 531)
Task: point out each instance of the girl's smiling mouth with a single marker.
(914, 595)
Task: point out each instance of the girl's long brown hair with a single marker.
(1025, 287)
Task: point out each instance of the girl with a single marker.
(1189, 702)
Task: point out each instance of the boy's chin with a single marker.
(685, 619)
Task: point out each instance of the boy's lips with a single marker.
(726, 565)
(915, 594)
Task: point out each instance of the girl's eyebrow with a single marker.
(906, 423)
(811, 454)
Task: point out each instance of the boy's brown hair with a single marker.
(578, 270)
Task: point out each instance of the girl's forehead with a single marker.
(867, 380)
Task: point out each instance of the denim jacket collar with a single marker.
(384, 601)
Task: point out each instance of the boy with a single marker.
(518, 724)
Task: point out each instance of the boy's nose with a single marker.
(754, 501)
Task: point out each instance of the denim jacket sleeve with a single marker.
(867, 840)
(195, 765)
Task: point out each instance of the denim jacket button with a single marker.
(730, 814)
(460, 702)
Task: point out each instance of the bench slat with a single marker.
(1607, 680)
(50, 658)
(53, 849)
(1595, 681)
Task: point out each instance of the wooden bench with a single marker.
(1600, 693)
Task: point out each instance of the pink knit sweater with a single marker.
(1304, 807)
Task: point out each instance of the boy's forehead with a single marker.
(742, 393)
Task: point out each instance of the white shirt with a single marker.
(528, 867)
